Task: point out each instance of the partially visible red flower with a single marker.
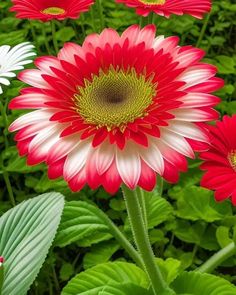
(1, 260)
(165, 8)
(220, 160)
(46, 10)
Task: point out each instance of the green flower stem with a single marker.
(9, 187)
(5, 122)
(122, 240)
(204, 27)
(82, 21)
(54, 38)
(142, 202)
(142, 241)
(218, 258)
(46, 39)
(34, 35)
(93, 19)
(143, 21)
(101, 15)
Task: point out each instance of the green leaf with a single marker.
(112, 278)
(100, 253)
(65, 34)
(222, 235)
(27, 232)
(81, 221)
(170, 268)
(158, 209)
(196, 283)
(196, 203)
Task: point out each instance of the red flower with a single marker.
(220, 160)
(117, 109)
(46, 10)
(165, 8)
(1, 260)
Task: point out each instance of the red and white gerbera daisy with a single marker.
(116, 109)
(165, 8)
(46, 10)
(220, 160)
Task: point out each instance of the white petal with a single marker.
(128, 165)
(153, 157)
(30, 118)
(104, 156)
(187, 129)
(176, 142)
(76, 159)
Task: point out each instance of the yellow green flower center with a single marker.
(115, 98)
(53, 11)
(232, 159)
(153, 2)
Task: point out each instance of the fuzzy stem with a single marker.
(142, 202)
(100, 8)
(141, 238)
(204, 27)
(46, 39)
(54, 38)
(214, 261)
(122, 240)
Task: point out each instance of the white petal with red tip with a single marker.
(153, 157)
(104, 156)
(76, 159)
(187, 129)
(129, 165)
(176, 142)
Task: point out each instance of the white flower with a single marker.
(13, 59)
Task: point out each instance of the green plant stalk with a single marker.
(142, 202)
(9, 187)
(34, 35)
(1, 278)
(122, 240)
(45, 39)
(54, 38)
(4, 172)
(141, 238)
(217, 259)
(204, 27)
(101, 15)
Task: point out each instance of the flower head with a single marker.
(165, 8)
(46, 10)
(13, 59)
(116, 109)
(1, 260)
(220, 160)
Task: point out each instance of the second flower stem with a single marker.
(218, 258)
(54, 38)
(141, 238)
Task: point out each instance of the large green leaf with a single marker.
(27, 232)
(196, 283)
(116, 278)
(83, 223)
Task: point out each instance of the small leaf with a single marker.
(170, 268)
(100, 253)
(27, 232)
(113, 277)
(81, 221)
(196, 283)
